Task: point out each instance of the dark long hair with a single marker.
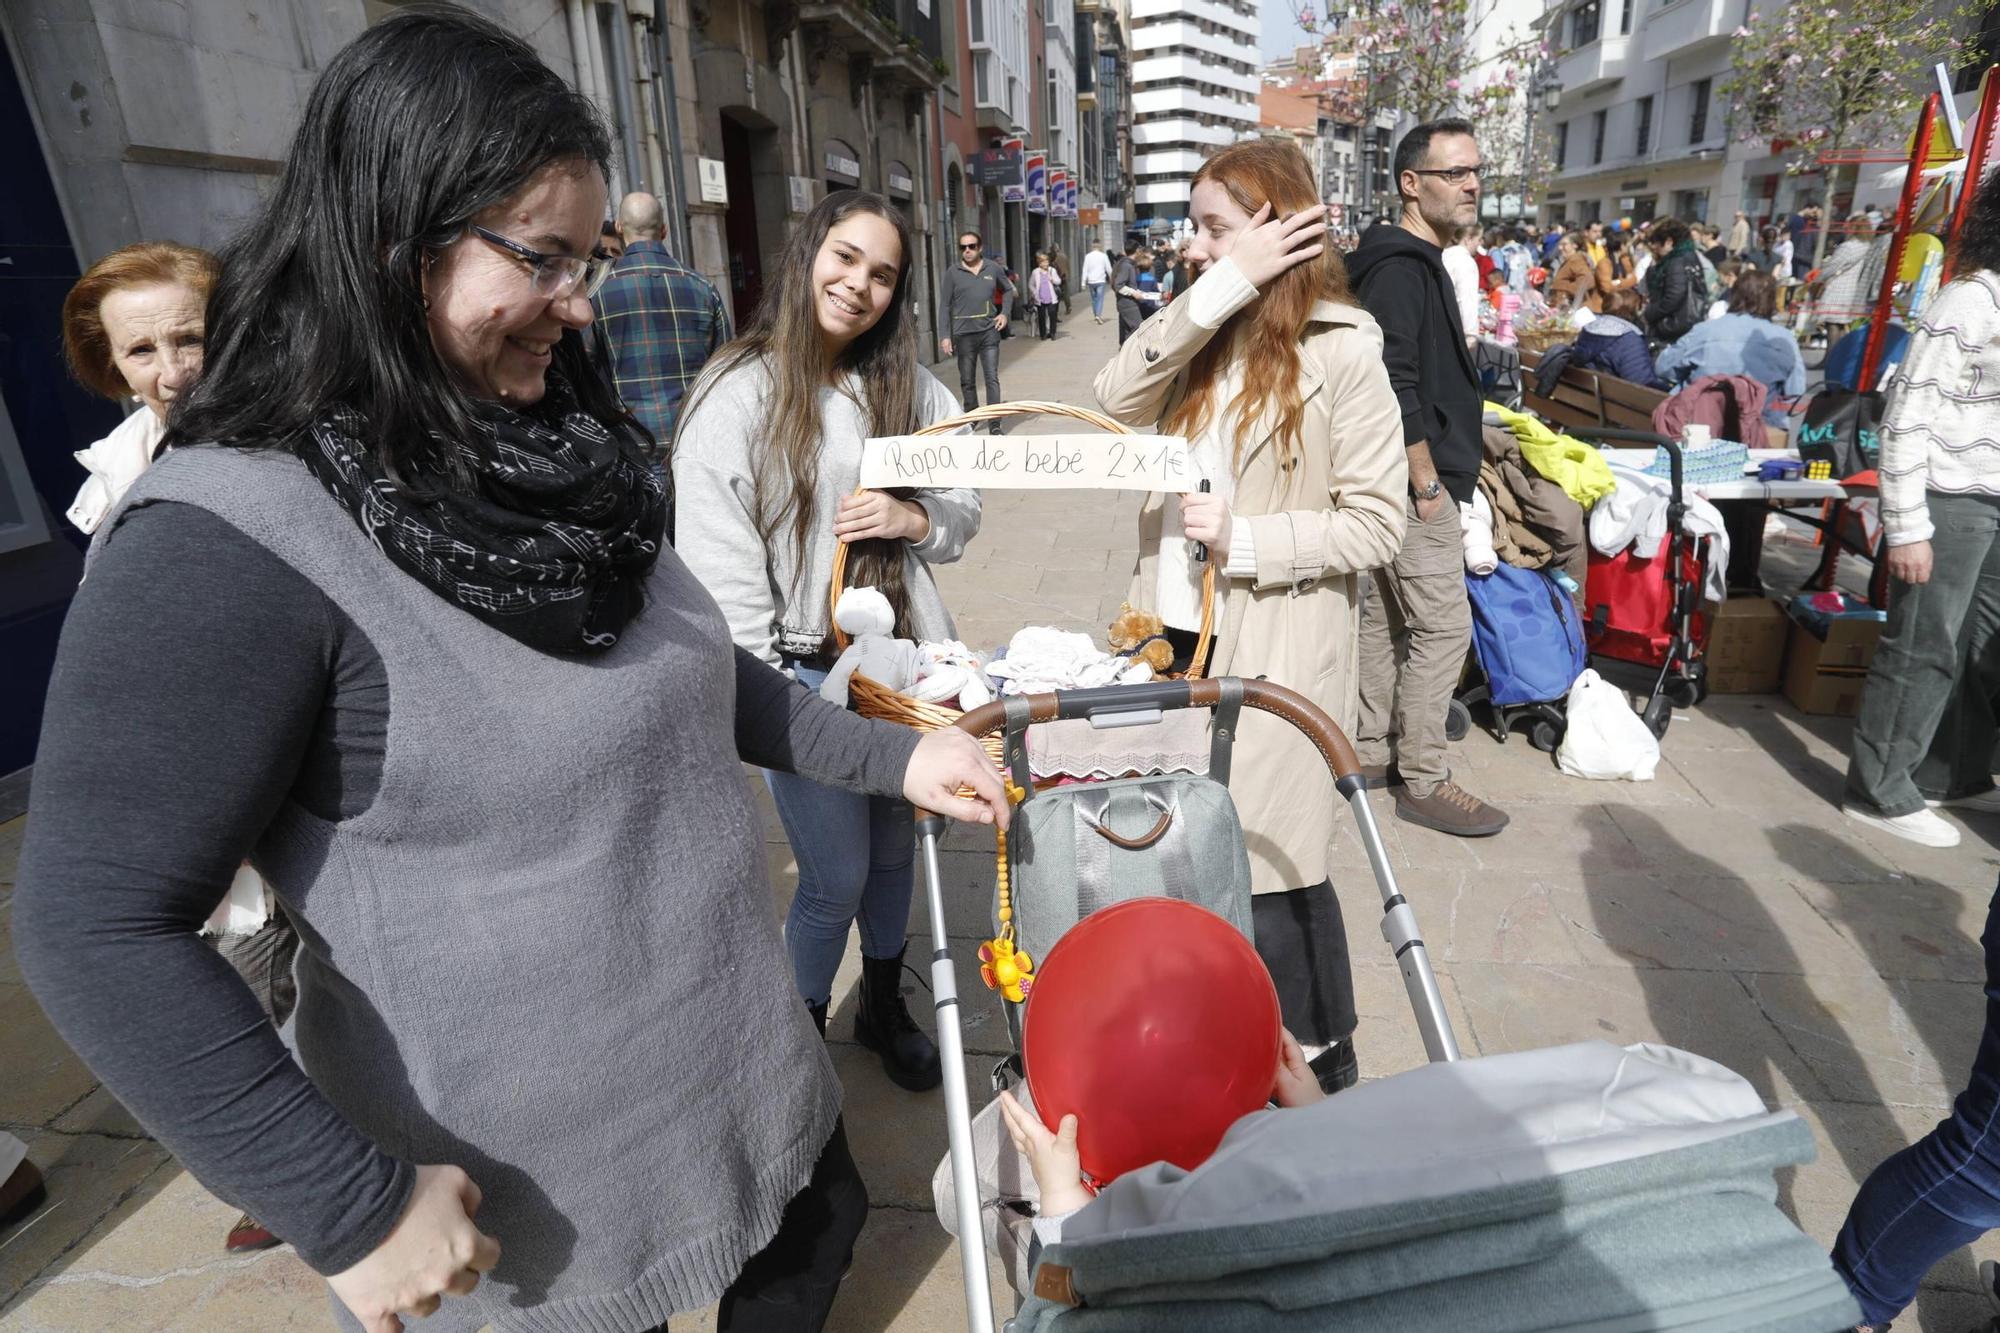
(784, 338)
(1979, 242)
(418, 124)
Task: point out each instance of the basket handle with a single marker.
(1026, 407)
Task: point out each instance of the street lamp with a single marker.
(1544, 85)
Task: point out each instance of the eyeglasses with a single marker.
(553, 276)
(973, 246)
(1451, 175)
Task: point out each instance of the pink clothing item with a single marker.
(1731, 406)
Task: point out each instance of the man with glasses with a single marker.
(660, 321)
(974, 319)
(1416, 626)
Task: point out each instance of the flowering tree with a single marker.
(1826, 77)
(1416, 56)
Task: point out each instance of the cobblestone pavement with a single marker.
(1724, 907)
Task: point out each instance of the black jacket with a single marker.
(1401, 281)
(1672, 311)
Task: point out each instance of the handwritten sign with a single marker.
(1030, 462)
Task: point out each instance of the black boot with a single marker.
(1335, 1067)
(818, 1013)
(885, 1027)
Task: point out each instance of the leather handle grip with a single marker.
(1144, 840)
(1293, 707)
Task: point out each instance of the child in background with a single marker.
(1059, 1171)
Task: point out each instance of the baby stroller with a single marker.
(1136, 705)
(1648, 611)
(1492, 1193)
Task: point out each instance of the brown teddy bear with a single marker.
(1142, 636)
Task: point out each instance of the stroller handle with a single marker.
(1168, 695)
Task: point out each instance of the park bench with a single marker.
(1589, 398)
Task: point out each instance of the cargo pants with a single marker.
(1416, 626)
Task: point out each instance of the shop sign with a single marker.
(841, 162)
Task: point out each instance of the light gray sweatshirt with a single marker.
(775, 607)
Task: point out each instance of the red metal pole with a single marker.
(1977, 155)
(1906, 215)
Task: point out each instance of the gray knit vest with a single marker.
(547, 953)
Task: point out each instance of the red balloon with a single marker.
(1154, 1022)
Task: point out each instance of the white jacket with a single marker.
(114, 463)
(1096, 267)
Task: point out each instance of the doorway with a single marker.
(740, 144)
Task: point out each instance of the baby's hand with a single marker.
(1058, 1170)
(1297, 1085)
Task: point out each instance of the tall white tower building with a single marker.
(1195, 80)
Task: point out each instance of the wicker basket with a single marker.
(873, 699)
(1540, 341)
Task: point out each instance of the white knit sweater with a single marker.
(1941, 430)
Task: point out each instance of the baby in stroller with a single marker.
(1058, 1169)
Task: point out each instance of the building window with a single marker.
(1643, 139)
(1691, 205)
(1597, 120)
(1583, 23)
(978, 11)
(1698, 122)
(1562, 145)
(1625, 16)
(1589, 211)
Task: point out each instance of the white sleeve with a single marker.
(1242, 562)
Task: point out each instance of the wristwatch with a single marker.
(1430, 492)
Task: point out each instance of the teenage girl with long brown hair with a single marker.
(1275, 375)
(765, 464)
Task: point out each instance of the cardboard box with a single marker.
(1746, 646)
(1827, 675)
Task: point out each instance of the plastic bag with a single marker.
(1605, 738)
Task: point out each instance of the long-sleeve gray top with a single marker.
(776, 605)
(202, 683)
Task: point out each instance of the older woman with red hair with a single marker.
(1275, 375)
(133, 328)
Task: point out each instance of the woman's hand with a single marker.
(1053, 1157)
(435, 1250)
(1911, 562)
(943, 762)
(1205, 518)
(1269, 246)
(1297, 1085)
(876, 514)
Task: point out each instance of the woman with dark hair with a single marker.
(427, 661)
(1614, 343)
(1743, 341)
(1273, 372)
(766, 461)
(1930, 688)
(1676, 290)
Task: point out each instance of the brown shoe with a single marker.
(1450, 809)
(1375, 777)
(21, 1193)
(249, 1234)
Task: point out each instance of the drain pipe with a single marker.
(579, 45)
(676, 181)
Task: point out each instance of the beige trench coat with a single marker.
(1318, 528)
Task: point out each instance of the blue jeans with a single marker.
(857, 862)
(1097, 299)
(1941, 1192)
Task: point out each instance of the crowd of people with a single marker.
(494, 550)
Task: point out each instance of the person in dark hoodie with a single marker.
(1615, 344)
(1416, 625)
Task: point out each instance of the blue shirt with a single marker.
(1738, 344)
